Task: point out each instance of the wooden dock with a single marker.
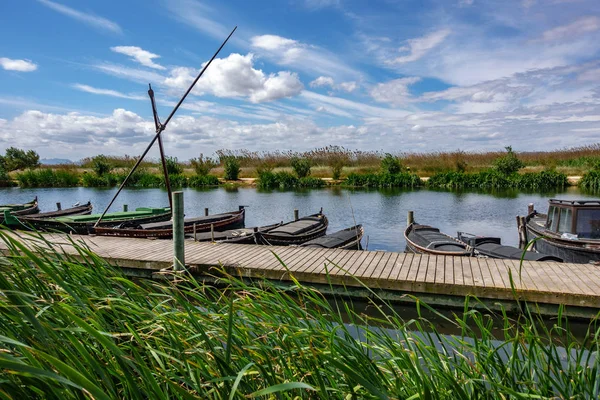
(442, 280)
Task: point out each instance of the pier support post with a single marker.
(178, 232)
(212, 232)
(522, 229)
(206, 212)
(125, 207)
(58, 206)
(296, 215)
(530, 209)
(410, 218)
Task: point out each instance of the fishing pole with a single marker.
(161, 127)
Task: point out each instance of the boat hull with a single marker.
(347, 239)
(568, 250)
(278, 238)
(424, 239)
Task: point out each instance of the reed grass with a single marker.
(76, 328)
(495, 179)
(286, 180)
(383, 180)
(48, 177)
(591, 180)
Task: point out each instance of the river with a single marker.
(382, 212)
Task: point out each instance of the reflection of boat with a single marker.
(425, 239)
(570, 230)
(84, 224)
(492, 247)
(348, 239)
(241, 236)
(19, 209)
(165, 229)
(38, 221)
(295, 232)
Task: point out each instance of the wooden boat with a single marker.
(348, 239)
(295, 232)
(425, 239)
(240, 236)
(37, 221)
(84, 224)
(570, 230)
(492, 247)
(19, 209)
(164, 229)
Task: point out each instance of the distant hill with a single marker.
(55, 161)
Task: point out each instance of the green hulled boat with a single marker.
(18, 209)
(84, 224)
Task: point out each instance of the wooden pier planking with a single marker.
(543, 282)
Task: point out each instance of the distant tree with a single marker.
(202, 165)
(20, 159)
(101, 165)
(391, 164)
(508, 163)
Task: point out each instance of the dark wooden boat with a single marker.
(570, 230)
(492, 247)
(164, 229)
(425, 239)
(37, 221)
(240, 236)
(84, 224)
(295, 232)
(348, 239)
(19, 209)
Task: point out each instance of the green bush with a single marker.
(301, 166)
(173, 166)
(383, 180)
(590, 180)
(203, 180)
(101, 165)
(176, 180)
(5, 180)
(509, 163)
(391, 164)
(496, 179)
(47, 177)
(285, 180)
(92, 180)
(232, 168)
(202, 165)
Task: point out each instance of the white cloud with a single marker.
(394, 92)
(322, 81)
(90, 19)
(106, 92)
(318, 4)
(133, 74)
(579, 27)
(418, 47)
(197, 15)
(140, 55)
(348, 86)
(308, 58)
(235, 76)
(17, 65)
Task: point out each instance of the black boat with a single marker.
(492, 247)
(19, 209)
(425, 239)
(348, 239)
(38, 221)
(570, 230)
(240, 236)
(164, 229)
(295, 232)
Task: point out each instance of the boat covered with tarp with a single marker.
(425, 239)
(240, 236)
(348, 239)
(492, 247)
(296, 232)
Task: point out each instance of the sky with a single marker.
(387, 75)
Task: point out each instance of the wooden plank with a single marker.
(391, 265)
(414, 268)
(359, 263)
(317, 263)
(379, 269)
(366, 272)
(448, 270)
(405, 268)
(467, 275)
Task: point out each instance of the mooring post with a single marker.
(212, 232)
(195, 240)
(296, 215)
(530, 209)
(58, 206)
(206, 212)
(410, 218)
(178, 232)
(125, 207)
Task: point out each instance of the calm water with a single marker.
(382, 212)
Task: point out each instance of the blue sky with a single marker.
(391, 75)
